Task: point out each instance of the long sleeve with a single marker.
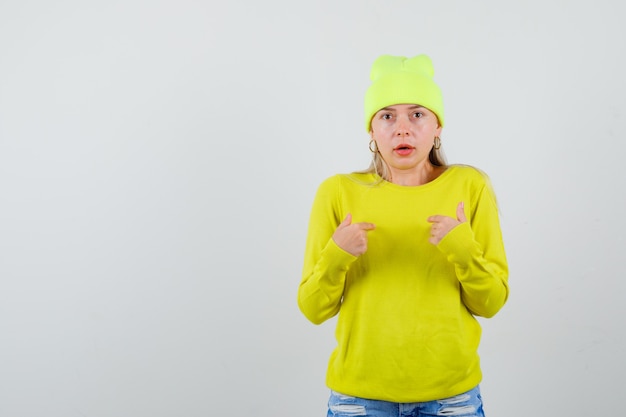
(325, 264)
(477, 251)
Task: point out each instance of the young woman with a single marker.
(407, 253)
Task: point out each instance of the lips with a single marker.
(403, 149)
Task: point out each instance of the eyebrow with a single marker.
(417, 106)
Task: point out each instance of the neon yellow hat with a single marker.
(401, 80)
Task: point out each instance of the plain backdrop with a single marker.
(158, 163)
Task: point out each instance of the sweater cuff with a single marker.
(337, 259)
(459, 245)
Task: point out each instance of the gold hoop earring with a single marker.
(437, 143)
(375, 149)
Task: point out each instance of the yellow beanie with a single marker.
(401, 80)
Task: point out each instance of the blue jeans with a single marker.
(468, 404)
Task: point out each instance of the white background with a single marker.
(158, 162)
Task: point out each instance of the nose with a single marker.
(402, 127)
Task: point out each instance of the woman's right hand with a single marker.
(352, 237)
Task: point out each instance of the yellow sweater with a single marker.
(406, 330)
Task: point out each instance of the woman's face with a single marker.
(404, 134)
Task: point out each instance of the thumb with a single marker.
(460, 212)
(347, 221)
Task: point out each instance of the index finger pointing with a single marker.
(366, 226)
(435, 219)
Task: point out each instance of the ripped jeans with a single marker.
(468, 404)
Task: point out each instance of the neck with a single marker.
(420, 175)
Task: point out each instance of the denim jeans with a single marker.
(468, 404)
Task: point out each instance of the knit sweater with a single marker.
(406, 330)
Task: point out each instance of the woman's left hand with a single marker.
(441, 225)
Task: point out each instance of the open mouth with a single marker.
(403, 149)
